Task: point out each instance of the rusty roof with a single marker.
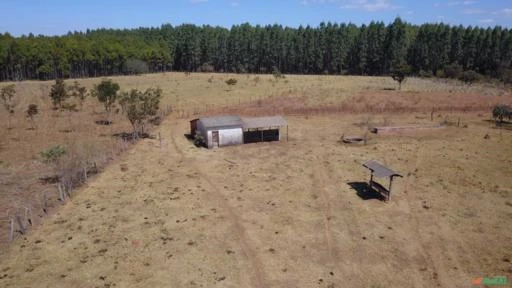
(380, 170)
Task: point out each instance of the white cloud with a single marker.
(370, 5)
(473, 11)
(486, 20)
(234, 3)
(507, 11)
(197, 1)
(454, 3)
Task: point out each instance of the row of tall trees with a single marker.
(330, 48)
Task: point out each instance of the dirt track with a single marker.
(281, 215)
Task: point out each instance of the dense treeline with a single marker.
(374, 49)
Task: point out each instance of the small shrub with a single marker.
(32, 111)
(277, 74)
(207, 67)
(51, 155)
(79, 92)
(69, 107)
(400, 73)
(425, 74)
(58, 93)
(106, 92)
(501, 111)
(199, 140)
(470, 77)
(231, 81)
(453, 71)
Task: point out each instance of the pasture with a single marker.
(164, 213)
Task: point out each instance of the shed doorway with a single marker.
(215, 139)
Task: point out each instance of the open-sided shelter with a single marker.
(262, 129)
(380, 171)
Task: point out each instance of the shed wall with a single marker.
(232, 136)
(227, 137)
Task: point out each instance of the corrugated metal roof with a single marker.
(221, 122)
(380, 170)
(263, 122)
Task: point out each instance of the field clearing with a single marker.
(280, 214)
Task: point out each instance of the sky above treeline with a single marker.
(57, 17)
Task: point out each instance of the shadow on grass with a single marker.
(365, 192)
(132, 136)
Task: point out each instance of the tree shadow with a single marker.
(132, 136)
(365, 192)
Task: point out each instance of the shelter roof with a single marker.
(380, 170)
(263, 122)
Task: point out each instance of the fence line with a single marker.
(68, 180)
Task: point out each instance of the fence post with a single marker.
(45, 203)
(28, 215)
(85, 172)
(62, 196)
(20, 224)
(11, 232)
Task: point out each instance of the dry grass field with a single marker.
(281, 214)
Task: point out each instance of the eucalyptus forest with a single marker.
(330, 48)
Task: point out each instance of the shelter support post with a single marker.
(389, 189)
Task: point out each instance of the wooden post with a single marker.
(389, 189)
(85, 173)
(160, 138)
(11, 232)
(45, 203)
(20, 224)
(286, 133)
(28, 215)
(62, 195)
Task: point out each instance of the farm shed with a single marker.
(219, 131)
(232, 130)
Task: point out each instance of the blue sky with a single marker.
(55, 17)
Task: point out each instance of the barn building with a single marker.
(233, 130)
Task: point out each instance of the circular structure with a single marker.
(353, 139)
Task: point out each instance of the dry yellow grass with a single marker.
(282, 214)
